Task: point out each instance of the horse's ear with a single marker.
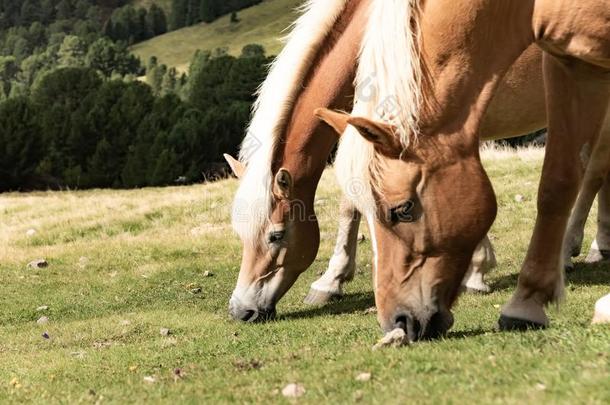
(337, 120)
(238, 167)
(382, 135)
(283, 184)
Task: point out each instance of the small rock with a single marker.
(83, 262)
(42, 320)
(30, 233)
(395, 338)
(519, 198)
(196, 290)
(540, 387)
(358, 395)
(150, 379)
(42, 308)
(38, 264)
(46, 335)
(165, 332)
(361, 237)
(293, 391)
(363, 377)
(207, 274)
(133, 368)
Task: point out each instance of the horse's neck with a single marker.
(468, 46)
(308, 142)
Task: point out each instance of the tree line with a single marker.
(189, 12)
(135, 25)
(80, 128)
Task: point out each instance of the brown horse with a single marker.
(426, 196)
(273, 210)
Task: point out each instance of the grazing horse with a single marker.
(273, 210)
(425, 194)
(342, 265)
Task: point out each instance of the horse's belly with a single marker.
(518, 107)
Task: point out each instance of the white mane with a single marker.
(388, 84)
(276, 98)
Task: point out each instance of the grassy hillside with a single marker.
(124, 264)
(262, 24)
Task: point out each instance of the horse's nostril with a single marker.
(247, 315)
(401, 322)
(416, 330)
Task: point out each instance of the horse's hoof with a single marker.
(483, 290)
(596, 256)
(316, 297)
(507, 323)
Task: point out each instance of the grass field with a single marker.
(124, 264)
(263, 24)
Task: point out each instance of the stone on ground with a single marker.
(293, 391)
(395, 338)
(602, 310)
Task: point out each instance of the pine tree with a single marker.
(72, 52)
(63, 10)
(30, 12)
(168, 85)
(156, 20)
(208, 10)
(178, 16)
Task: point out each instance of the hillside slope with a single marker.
(262, 24)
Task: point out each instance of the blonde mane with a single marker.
(388, 87)
(275, 102)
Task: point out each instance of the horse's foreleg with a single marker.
(483, 260)
(577, 105)
(342, 265)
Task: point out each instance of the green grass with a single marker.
(123, 264)
(261, 24)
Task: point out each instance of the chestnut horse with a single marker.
(273, 210)
(426, 197)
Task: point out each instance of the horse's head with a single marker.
(285, 244)
(431, 205)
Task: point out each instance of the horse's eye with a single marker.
(276, 236)
(403, 213)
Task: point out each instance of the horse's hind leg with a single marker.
(600, 249)
(483, 260)
(577, 104)
(597, 164)
(342, 265)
